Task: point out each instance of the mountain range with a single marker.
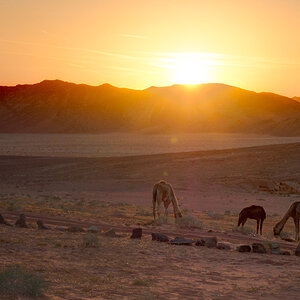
(54, 106)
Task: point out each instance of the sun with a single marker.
(190, 68)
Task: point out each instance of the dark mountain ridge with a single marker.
(63, 107)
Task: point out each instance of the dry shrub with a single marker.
(188, 221)
(90, 240)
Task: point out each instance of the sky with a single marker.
(140, 43)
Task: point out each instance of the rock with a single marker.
(285, 252)
(181, 241)
(75, 229)
(210, 242)
(297, 252)
(275, 248)
(41, 225)
(110, 233)
(2, 221)
(136, 233)
(244, 248)
(21, 222)
(93, 229)
(258, 248)
(159, 237)
(224, 246)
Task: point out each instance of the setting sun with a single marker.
(191, 68)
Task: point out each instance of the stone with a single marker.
(21, 222)
(244, 248)
(110, 233)
(136, 233)
(41, 225)
(275, 248)
(2, 221)
(75, 229)
(181, 241)
(285, 252)
(210, 242)
(93, 229)
(297, 252)
(224, 246)
(156, 236)
(258, 248)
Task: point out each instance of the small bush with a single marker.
(215, 216)
(227, 213)
(90, 240)
(161, 220)
(16, 280)
(143, 212)
(244, 230)
(140, 282)
(188, 221)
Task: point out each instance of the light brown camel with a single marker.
(294, 212)
(253, 212)
(163, 193)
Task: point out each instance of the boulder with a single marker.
(75, 229)
(156, 236)
(181, 241)
(297, 252)
(41, 225)
(243, 248)
(21, 222)
(224, 246)
(2, 221)
(275, 248)
(210, 242)
(136, 233)
(285, 252)
(258, 248)
(93, 229)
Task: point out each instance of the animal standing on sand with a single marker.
(253, 212)
(163, 193)
(294, 212)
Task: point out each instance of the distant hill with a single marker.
(62, 107)
(296, 98)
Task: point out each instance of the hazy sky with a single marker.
(140, 43)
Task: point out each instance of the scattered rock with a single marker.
(93, 229)
(243, 248)
(41, 225)
(182, 241)
(210, 242)
(2, 221)
(285, 252)
(224, 246)
(297, 252)
(159, 237)
(75, 229)
(110, 233)
(275, 248)
(258, 248)
(136, 233)
(21, 222)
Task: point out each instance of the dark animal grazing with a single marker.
(253, 212)
(21, 222)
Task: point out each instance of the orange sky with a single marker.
(140, 43)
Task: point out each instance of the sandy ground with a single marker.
(115, 192)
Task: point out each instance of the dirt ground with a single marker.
(115, 193)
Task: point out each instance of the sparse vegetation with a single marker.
(16, 281)
(161, 220)
(140, 282)
(90, 240)
(244, 229)
(188, 221)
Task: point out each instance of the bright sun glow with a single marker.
(192, 68)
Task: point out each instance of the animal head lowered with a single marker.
(277, 229)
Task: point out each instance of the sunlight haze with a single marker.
(138, 44)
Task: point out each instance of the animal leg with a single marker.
(261, 225)
(166, 205)
(257, 226)
(296, 221)
(153, 206)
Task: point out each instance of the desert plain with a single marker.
(78, 180)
